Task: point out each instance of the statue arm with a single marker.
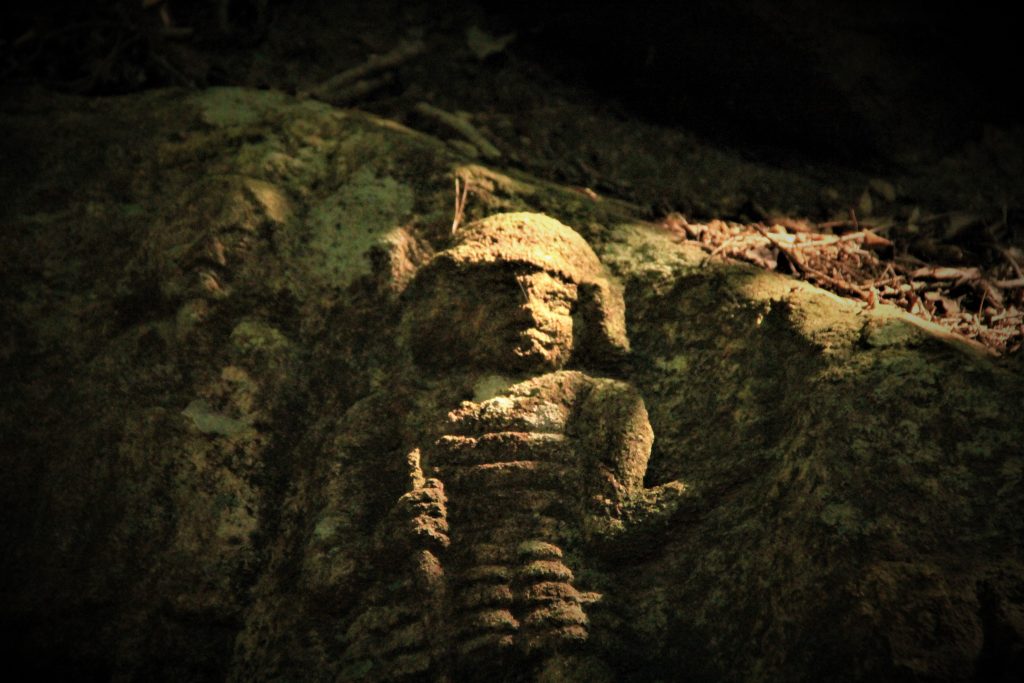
(616, 435)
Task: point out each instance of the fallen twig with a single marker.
(1012, 261)
(867, 237)
(461, 195)
(358, 90)
(172, 71)
(720, 248)
(341, 83)
(947, 273)
(462, 126)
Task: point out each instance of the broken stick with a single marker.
(347, 81)
(461, 126)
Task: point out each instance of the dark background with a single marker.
(863, 83)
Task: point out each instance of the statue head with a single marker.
(516, 292)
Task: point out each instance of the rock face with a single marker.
(265, 417)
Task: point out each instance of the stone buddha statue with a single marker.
(508, 492)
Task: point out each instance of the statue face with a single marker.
(494, 318)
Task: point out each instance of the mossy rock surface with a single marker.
(198, 337)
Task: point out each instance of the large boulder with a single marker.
(200, 341)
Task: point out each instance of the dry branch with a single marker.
(345, 84)
(461, 126)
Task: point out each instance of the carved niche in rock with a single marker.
(510, 490)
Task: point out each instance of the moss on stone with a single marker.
(852, 478)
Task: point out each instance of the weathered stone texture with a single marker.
(211, 338)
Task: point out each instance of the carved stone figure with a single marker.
(510, 490)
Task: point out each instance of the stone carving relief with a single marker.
(507, 492)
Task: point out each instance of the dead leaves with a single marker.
(984, 302)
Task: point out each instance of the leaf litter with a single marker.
(980, 296)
